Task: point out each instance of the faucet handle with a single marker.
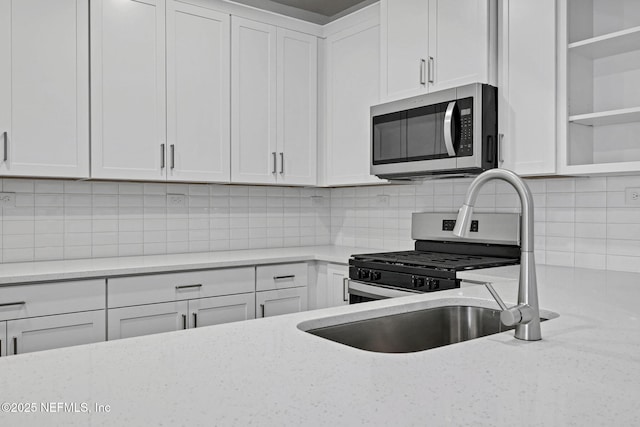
(518, 315)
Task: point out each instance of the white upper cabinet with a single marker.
(527, 86)
(430, 45)
(352, 61)
(198, 93)
(599, 94)
(253, 102)
(297, 107)
(128, 117)
(404, 47)
(44, 88)
(273, 104)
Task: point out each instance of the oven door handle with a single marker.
(448, 139)
(376, 292)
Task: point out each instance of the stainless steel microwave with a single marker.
(452, 131)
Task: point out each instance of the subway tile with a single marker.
(17, 227)
(105, 188)
(48, 240)
(159, 236)
(591, 184)
(130, 188)
(177, 247)
(18, 255)
(623, 231)
(585, 229)
(17, 241)
(77, 187)
(104, 251)
(77, 239)
(48, 226)
(77, 200)
(130, 250)
(591, 200)
(559, 229)
(619, 183)
(560, 200)
(623, 215)
(154, 248)
(589, 260)
(154, 188)
(49, 200)
(198, 246)
(48, 253)
(623, 263)
(105, 239)
(561, 185)
(12, 185)
(590, 245)
(592, 215)
(623, 247)
(564, 259)
(48, 187)
(77, 252)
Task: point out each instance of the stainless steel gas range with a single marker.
(438, 257)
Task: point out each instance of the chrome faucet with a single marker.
(526, 315)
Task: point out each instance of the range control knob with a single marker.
(375, 275)
(363, 274)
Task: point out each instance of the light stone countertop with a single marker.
(43, 271)
(584, 372)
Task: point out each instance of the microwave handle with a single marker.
(448, 140)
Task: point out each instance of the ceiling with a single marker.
(316, 11)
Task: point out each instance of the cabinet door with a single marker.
(44, 88)
(198, 81)
(459, 42)
(353, 78)
(281, 301)
(297, 107)
(3, 339)
(64, 330)
(337, 276)
(404, 49)
(253, 102)
(128, 89)
(527, 81)
(149, 319)
(218, 310)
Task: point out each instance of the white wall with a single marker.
(581, 222)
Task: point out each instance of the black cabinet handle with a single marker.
(184, 321)
(15, 345)
(291, 276)
(195, 320)
(198, 285)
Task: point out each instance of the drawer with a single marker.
(281, 276)
(43, 299)
(153, 288)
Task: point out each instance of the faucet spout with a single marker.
(526, 315)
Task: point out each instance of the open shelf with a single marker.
(604, 118)
(608, 44)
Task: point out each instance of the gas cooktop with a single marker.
(436, 260)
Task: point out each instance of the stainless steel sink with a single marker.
(416, 330)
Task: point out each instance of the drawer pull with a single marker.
(345, 289)
(8, 304)
(291, 276)
(0, 348)
(199, 285)
(15, 345)
(195, 320)
(184, 321)
(262, 309)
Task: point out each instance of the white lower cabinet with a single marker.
(127, 322)
(331, 287)
(281, 301)
(218, 310)
(44, 316)
(155, 303)
(49, 332)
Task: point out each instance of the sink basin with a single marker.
(416, 330)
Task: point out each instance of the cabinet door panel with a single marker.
(281, 301)
(527, 95)
(198, 81)
(3, 338)
(336, 286)
(64, 330)
(218, 310)
(44, 87)
(127, 88)
(404, 47)
(149, 319)
(297, 107)
(253, 101)
(353, 77)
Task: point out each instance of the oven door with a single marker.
(363, 292)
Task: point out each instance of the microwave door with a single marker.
(389, 138)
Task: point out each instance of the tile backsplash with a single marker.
(56, 219)
(582, 222)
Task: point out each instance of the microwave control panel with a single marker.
(465, 107)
